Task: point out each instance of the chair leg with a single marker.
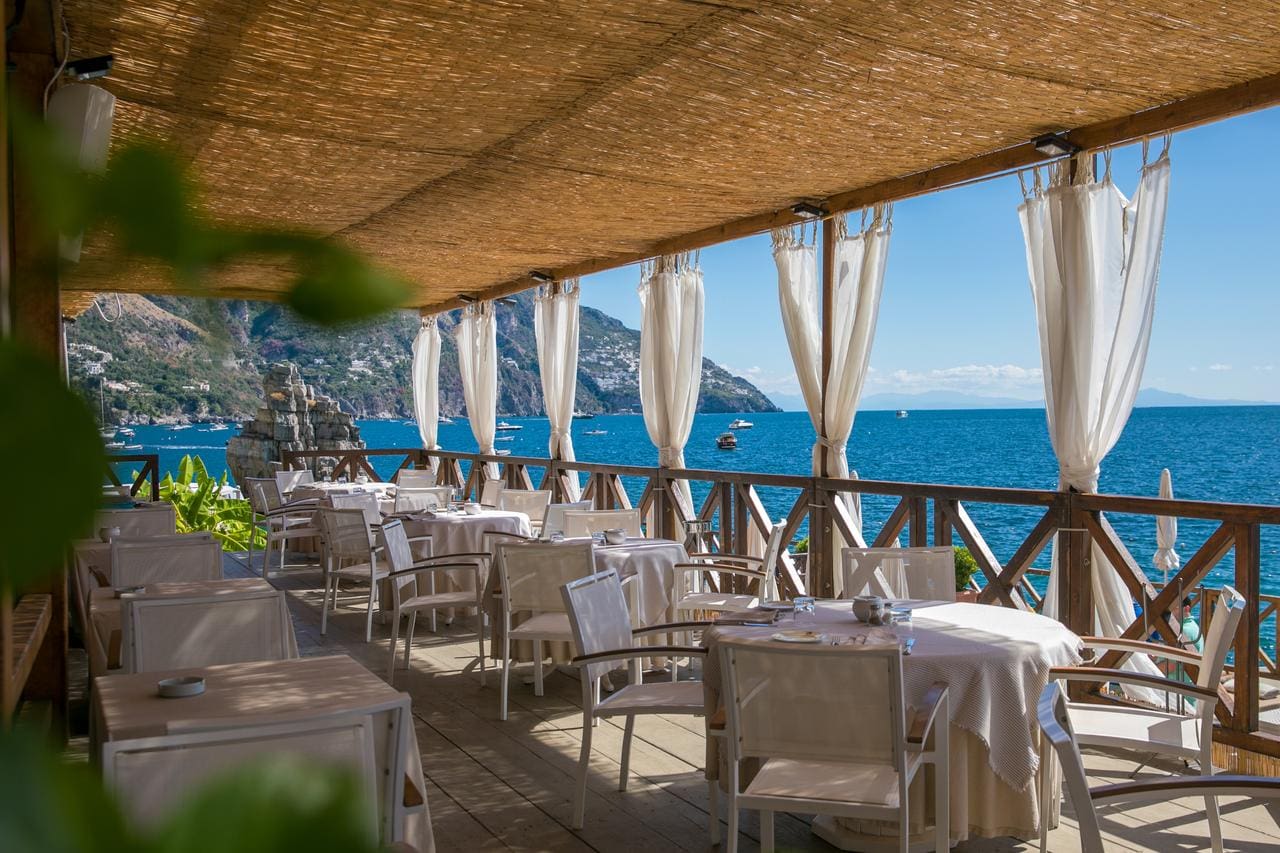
(766, 831)
(627, 731)
(506, 676)
(537, 667)
(368, 619)
(942, 782)
(1048, 781)
(395, 635)
(584, 763)
(408, 643)
(1215, 823)
(713, 809)
(324, 604)
(480, 643)
(731, 836)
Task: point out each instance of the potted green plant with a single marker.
(966, 569)
(800, 556)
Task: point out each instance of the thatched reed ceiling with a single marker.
(465, 143)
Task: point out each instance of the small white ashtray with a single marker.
(122, 591)
(177, 688)
(615, 536)
(472, 509)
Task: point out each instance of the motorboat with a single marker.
(727, 441)
(901, 413)
(133, 447)
(505, 438)
(444, 419)
(218, 427)
(503, 426)
(739, 423)
(596, 432)
(583, 416)
(126, 432)
(115, 445)
(502, 453)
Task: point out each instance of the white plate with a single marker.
(810, 637)
(777, 605)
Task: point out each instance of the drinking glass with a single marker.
(805, 604)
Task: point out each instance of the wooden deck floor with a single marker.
(495, 785)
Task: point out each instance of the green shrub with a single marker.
(203, 508)
(802, 546)
(966, 568)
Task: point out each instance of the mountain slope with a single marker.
(170, 357)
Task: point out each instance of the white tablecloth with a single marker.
(127, 706)
(995, 661)
(102, 638)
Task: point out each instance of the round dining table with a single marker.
(995, 661)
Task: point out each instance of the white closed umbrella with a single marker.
(1166, 557)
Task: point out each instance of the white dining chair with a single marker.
(587, 522)
(553, 521)
(1054, 717)
(414, 589)
(603, 639)
(170, 632)
(158, 519)
(350, 556)
(287, 481)
(926, 574)
(417, 500)
(828, 725)
(1152, 731)
(690, 591)
(392, 723)
(415, 478)
(532, 503)
(281, 521)
(532, 574)
(180, 557)
(153, 776)
(491, 493)
(366, 502)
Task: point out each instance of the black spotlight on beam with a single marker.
(804, 210)
(1055, 145)
(91, 67)
(542, 277)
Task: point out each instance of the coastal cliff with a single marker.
(179, 359)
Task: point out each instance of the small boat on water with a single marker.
(739, 423)
(115, 445)
(133, 447)
(727, 441)
(444, 419)
(505, 438)
(503, 426)
(502, 452)
(107, 434)
(901, 413)
(596, 432)
(218, 428)
(126, 432)
(176, 427)
(583, 416)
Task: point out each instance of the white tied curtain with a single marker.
(425, 381)
(671, 305)
(555, 324)
(860, 260)
(477, 340)
(1093, 257)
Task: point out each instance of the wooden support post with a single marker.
(1248, 584)
(918, 527)
(822, 540)
(941, 527)
(33, 311)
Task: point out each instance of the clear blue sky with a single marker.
(957, 314)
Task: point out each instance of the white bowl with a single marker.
(177, 688)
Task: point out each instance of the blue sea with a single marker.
(1218, 454)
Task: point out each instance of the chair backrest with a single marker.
(264, 493)
(415, 478)
(1055, 725)
(168, 632)
(157, 519)
(532, 503)
(769, 686)
(287, 481)
(346, 533)
(533, 572)
(491, 492)
(416, 500)
(180, 557)
(1222, 631)
(366, 502)
(599, 617)
(586, 522)
(392, 722)
(398, 553)
(923, 573)
(155, 775)
(772, 551)
(553, 521)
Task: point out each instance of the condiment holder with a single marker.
(180, 687)
(106, 534)
(472, 509)
(616, 536)
(869, 609)
(121, 591)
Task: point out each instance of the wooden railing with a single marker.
(928, 514)
(148, 475)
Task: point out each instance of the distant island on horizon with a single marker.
(928, 400)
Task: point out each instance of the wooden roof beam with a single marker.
(1182, 114)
